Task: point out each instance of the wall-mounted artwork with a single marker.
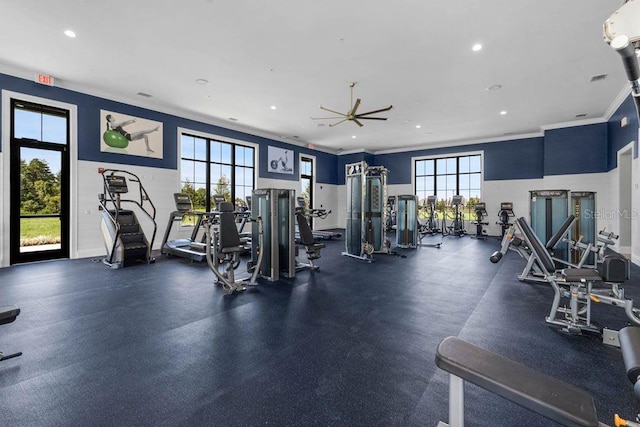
(280, 160)
(123, 134)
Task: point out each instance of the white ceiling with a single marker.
(296, 55)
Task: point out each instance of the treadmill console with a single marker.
(183, 202)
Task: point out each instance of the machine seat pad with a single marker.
(8, 314)
(315, 246)
(541, 393)
(573, 275)
(232, 249)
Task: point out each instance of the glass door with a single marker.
(39, 183)
(306, 184)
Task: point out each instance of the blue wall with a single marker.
(517, 159)
(574, 150)
(621, 136)
(579, 149)
(89, 132)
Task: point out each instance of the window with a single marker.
(448, 176)
(212, 167)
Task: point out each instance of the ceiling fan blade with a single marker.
(327, 118)
(370, 118)
(355, 107)
(337, 123)
(375, 111)
(332, 111)
(357, 122)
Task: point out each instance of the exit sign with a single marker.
(44, 79)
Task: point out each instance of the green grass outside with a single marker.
(39, 231)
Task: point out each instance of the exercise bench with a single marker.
(7, 315)
(545, 395)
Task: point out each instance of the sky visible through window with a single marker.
(41, 127)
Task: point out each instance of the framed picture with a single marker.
(123, 134)
(280, 160)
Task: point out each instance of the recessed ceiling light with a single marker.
(202, 82)
(494, 87)
(353, 136)
(273, 107)
(69, 33)
(476, 47)
(418, 126)
(503, 113)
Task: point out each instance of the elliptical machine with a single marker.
(223, 247)
(456, 227)
(430, 225)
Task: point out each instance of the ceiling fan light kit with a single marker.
(352, 114)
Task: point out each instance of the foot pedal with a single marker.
(610, 337)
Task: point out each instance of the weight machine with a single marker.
(366, 212)
(549, 209)
(223, 248)
(276, 208)
(316, 213)
(407, 221)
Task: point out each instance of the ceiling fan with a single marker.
(352, 114)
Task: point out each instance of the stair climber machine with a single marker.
(189, 248)
(223, 248)
(366, 212)
(124, 236)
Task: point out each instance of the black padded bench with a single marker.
(7, 315)
(545, 395)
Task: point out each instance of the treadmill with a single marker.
(316, 213)
(185, 248)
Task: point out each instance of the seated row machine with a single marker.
(306, 238)
(7, 315)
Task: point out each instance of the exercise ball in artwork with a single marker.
(114, 138)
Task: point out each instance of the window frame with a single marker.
(455, 156)
(208, 162)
